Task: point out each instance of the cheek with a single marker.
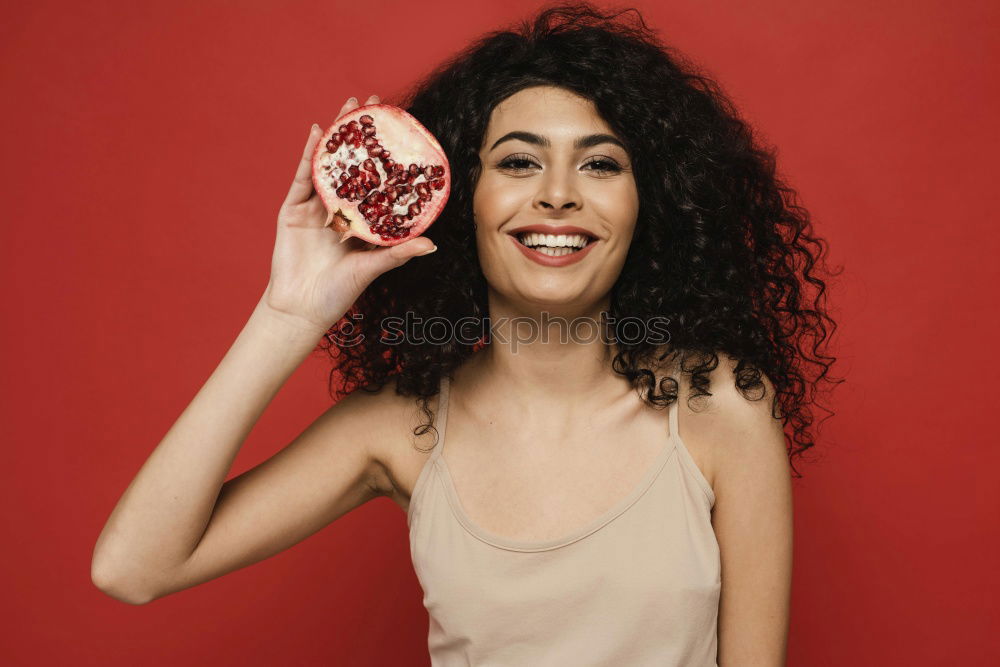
(618, 204)
(496, 201)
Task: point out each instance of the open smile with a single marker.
(554, 249)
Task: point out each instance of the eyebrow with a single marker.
(588, 141)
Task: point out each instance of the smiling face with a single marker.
(550, 163)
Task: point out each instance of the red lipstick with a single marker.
(551, 229)
(549, 260)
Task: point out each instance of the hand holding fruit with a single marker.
(315, 275)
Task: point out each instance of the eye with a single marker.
(602, 164)
(516, 163)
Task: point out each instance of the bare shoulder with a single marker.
(752, 516)
(731, 432)
(389, 420)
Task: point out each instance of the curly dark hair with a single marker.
(721, 248)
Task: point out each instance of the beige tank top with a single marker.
(637, 586)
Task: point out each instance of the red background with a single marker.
(147, 147)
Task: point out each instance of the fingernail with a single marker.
(352, 100)
(315, 126)
(427, 252)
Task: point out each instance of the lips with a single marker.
(549, 260)
(552, 229)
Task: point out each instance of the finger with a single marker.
(302, 185)
(350, 105)
(378, 261)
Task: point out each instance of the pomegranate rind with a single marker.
(408, 141)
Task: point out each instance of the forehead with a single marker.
(555, 112)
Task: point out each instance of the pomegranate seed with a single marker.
(367, 120)
(368, 130)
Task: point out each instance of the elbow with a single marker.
(113, 588)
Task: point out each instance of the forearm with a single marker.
(162, 515)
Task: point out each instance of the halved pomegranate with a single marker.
(382, 176)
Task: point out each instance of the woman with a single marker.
(570, 520)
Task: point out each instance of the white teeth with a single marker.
(555, 252)
(535, 239)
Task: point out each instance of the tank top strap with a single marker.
(682, 450)
(441, 418)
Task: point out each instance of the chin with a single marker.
(555, 299)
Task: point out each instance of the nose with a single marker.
(557, 194)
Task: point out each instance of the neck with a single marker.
(539, 354)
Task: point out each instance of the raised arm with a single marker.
(176, 524)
